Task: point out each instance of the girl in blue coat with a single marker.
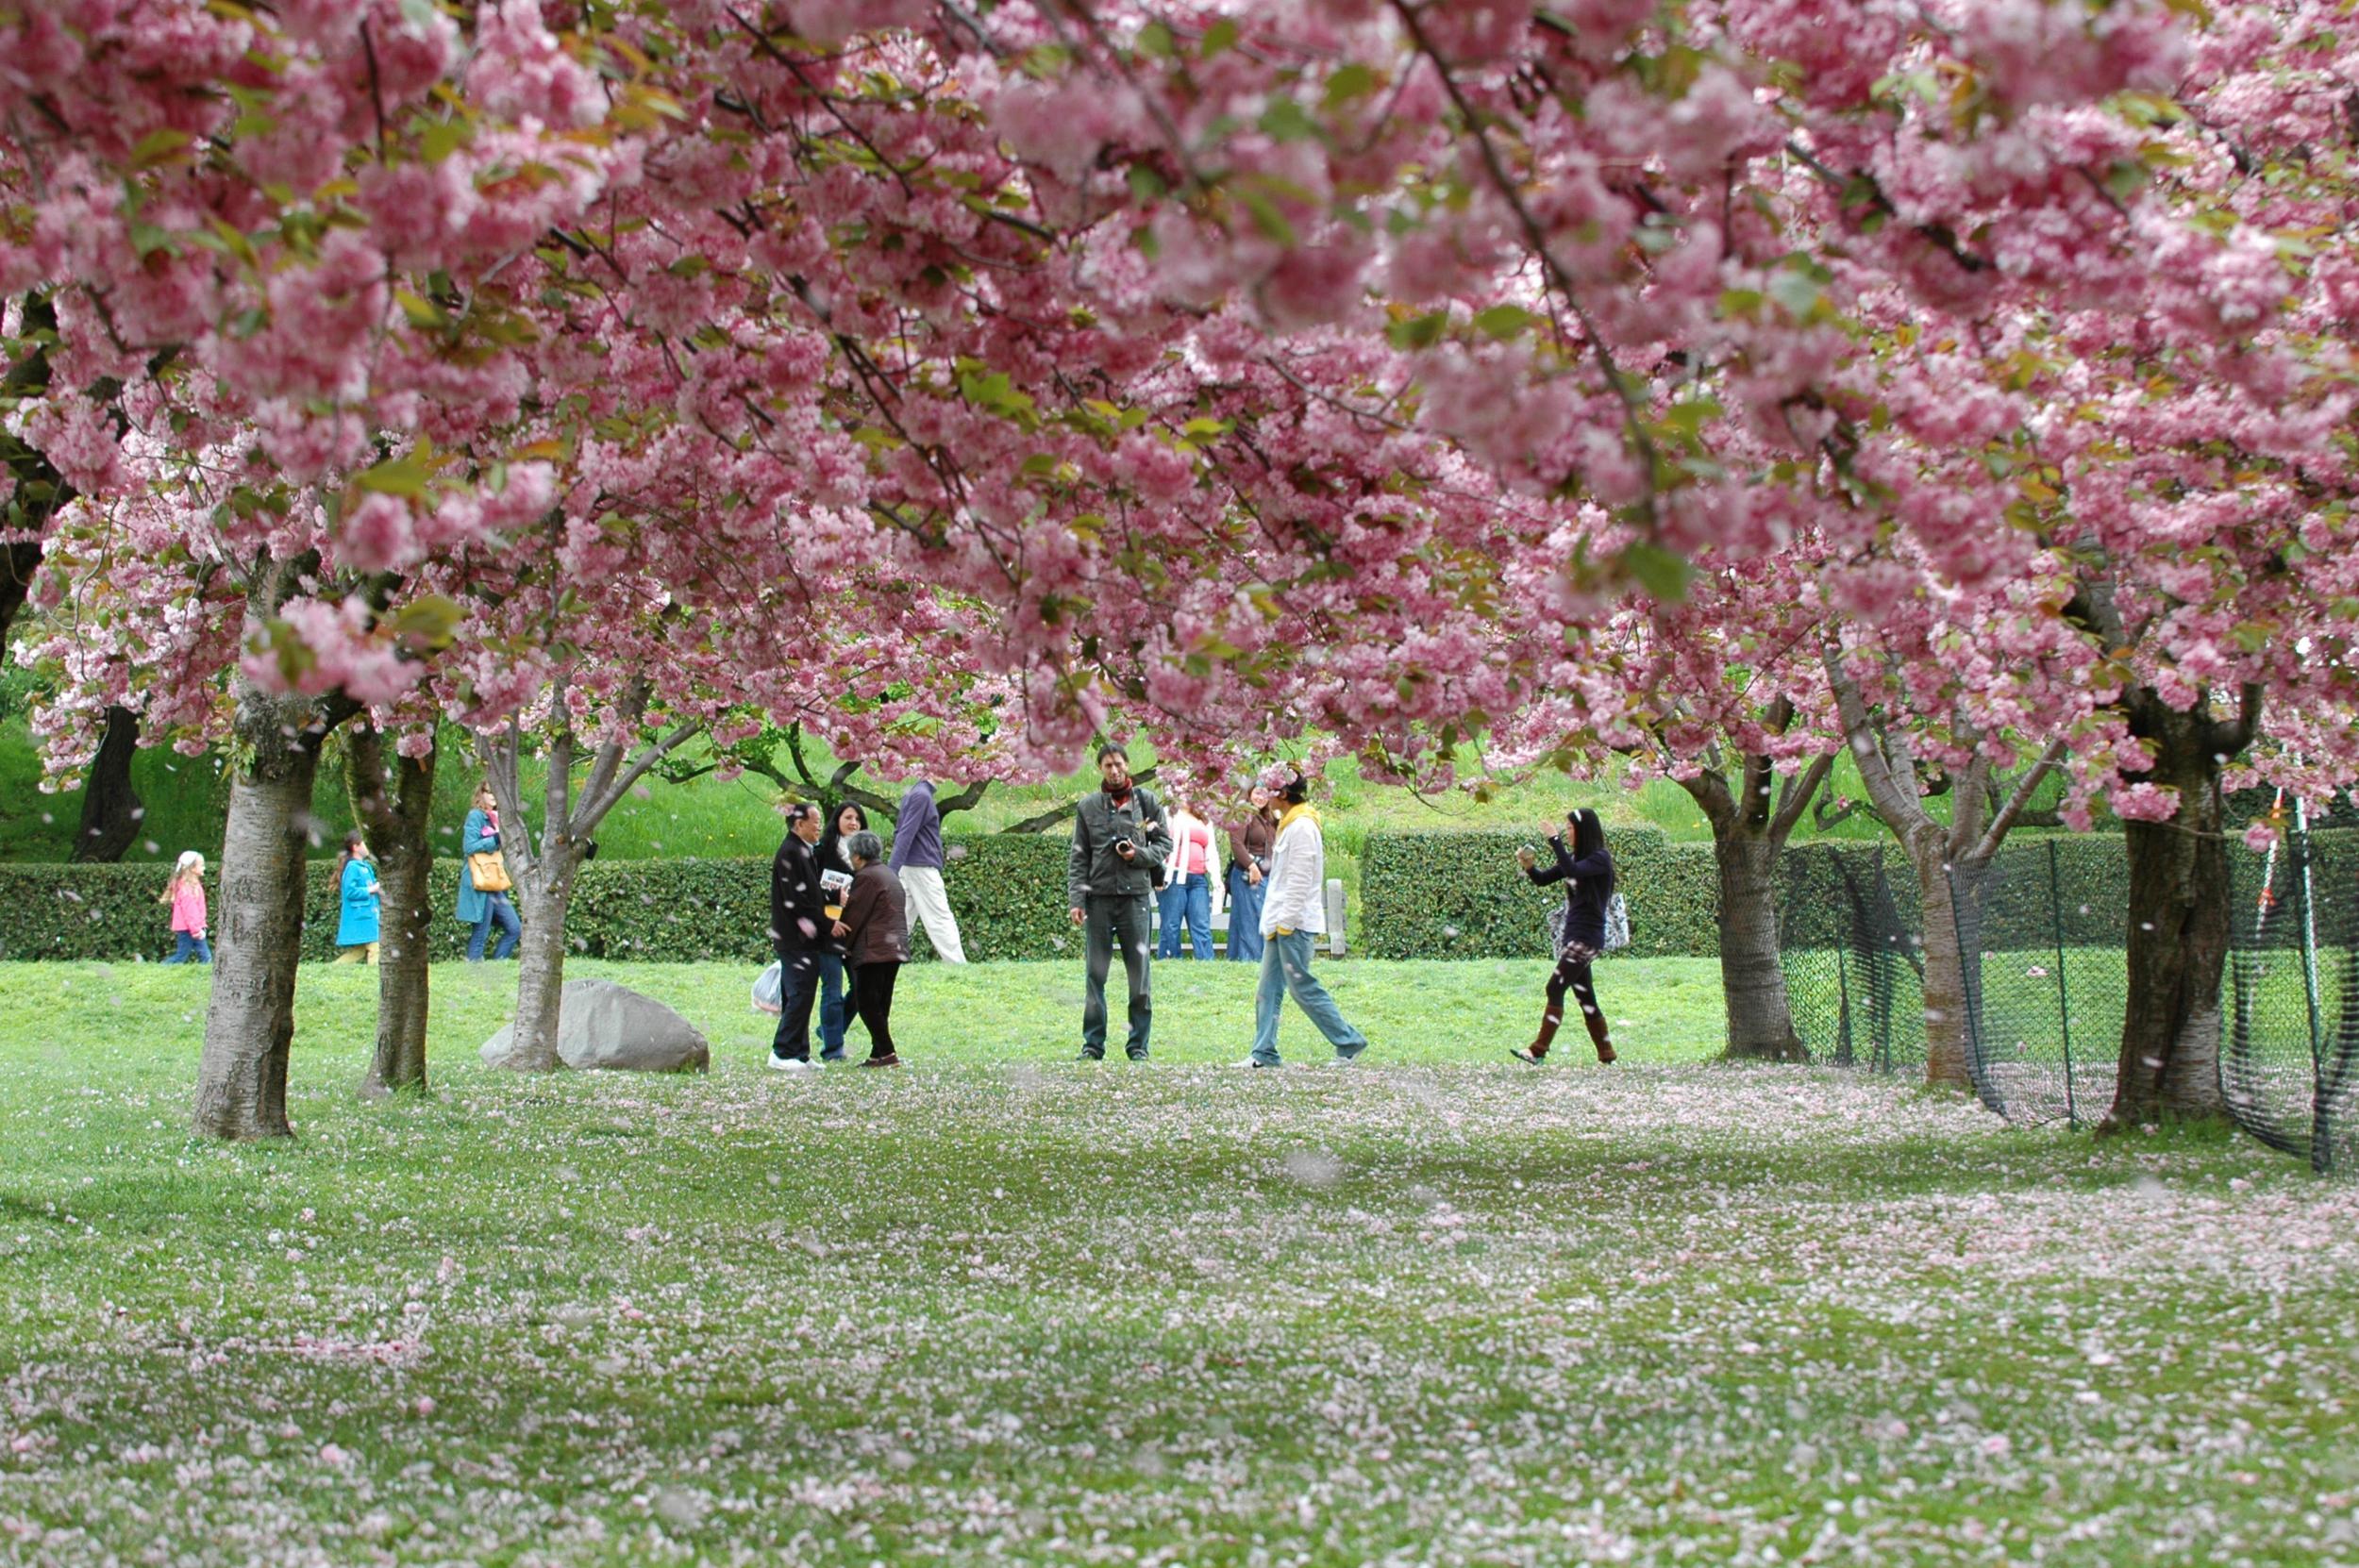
(357, 899)
(476, 908)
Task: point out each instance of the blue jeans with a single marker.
(496, 909)
(1188, 901)
(189, 949)
(833, 1015)
(1286, 968)
(1245, 917)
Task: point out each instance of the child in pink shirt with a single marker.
(185, 892)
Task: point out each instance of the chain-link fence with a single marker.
(1849, 936)
(2041, 927)
(2289, 1059)
(2046, 980)
(2040, 934)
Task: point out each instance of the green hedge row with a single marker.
(1462, 895)
(1424, 895)
(1008, 889)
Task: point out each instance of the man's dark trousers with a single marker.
(1116, 919)
(798, 987)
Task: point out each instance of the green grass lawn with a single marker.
(1433, 1308)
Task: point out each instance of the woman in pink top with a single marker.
(185, 892)
(1187, 894)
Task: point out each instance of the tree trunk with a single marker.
(18, 563)
(111, 806)
(394, 799)
(548, 892)
(1760, 1021)
(257, 923)
(1947, 1064)
(2178, 927)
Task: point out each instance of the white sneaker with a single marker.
(791, 1064)
(1250, 1062)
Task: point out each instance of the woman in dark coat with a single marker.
(874, 931)
(1587, 873)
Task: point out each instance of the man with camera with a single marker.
(1120, 841)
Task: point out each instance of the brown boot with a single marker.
(1539, 1046)
(1598, 1035)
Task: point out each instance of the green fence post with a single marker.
(2064, 996)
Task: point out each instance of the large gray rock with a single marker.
(603, 1025)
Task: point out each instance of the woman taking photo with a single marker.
(874, 933)
(1587, 873)
(483, 908)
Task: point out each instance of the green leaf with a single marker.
(430, 621)
(1662, 572)
(146, 239)
(1417, 331)
(1220, 36)
(159, 146)
(1266, 217)
(1155, 42)
(1796, 291)
(441, 137)
(403, 477)
(1504, 321)
(1288, 121)
(1348, 82)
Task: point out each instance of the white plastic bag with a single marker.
(768, 987)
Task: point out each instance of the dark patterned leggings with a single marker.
(1572, 974)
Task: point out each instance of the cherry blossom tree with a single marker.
(1231, 363)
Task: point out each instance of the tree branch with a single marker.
(1799, 792)
(2017, 799)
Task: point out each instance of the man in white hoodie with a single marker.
(1293, 916)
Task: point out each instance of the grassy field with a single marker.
(1433, 1308)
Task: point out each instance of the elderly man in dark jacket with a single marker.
(799, 928)
(1120, 841)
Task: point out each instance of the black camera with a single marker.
(1121, 844)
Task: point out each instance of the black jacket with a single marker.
(1097, 825)
(1589, 883)
(798, 921)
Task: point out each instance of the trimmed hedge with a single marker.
(1424, 895)
(1462, 895)
(1008, 889)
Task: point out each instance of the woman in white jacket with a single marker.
(1293, 914)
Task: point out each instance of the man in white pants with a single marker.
(917, 861)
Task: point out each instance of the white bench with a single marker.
(1220, 921)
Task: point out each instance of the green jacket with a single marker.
(1094, 868)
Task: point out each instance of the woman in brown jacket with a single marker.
(875, 931)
